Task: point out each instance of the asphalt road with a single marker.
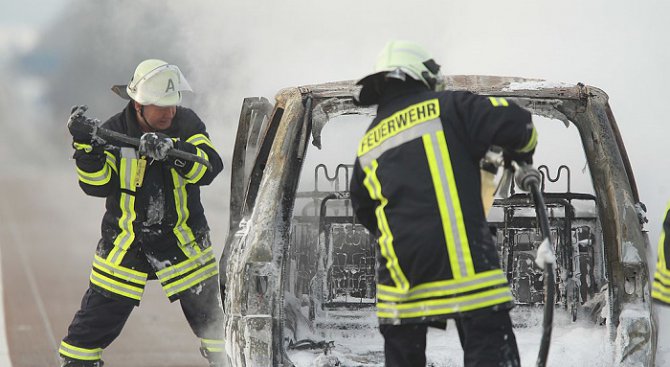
(48, 233)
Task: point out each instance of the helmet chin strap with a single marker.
(146, 121)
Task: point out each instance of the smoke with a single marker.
(231, 50)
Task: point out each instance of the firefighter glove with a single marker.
(179, 163)
(521, 158)
(155, 146)
(525, 175)
(81, 127)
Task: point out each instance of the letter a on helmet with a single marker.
(155, 82)
(399, 59)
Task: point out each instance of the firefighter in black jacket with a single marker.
(154, 225)
(416, 185)
(660, 291)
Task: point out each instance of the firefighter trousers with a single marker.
(487, 340)
(100, 319)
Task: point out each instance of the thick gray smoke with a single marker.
(231, 50)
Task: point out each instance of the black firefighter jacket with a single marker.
(416, 185)
(149, 202)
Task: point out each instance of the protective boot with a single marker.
(216, 359)
(69, 362)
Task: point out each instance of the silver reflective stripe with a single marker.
(385, 239)
(200, 139)
(111, 160)
(127, 206)
(181, 229)
(95, 178)
(450, 205)
(496, 278)
(445, 306)
(119, 272)
(190, 280)
(126, 222)
(198, 169)
(212, 345)
(183, 267)
(80, 353)
(129, 155)
(402, 137)
(116, 287)
(188, 250)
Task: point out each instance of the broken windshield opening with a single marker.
(576, 230)
(330, 284)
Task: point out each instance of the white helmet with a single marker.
(398, 60)
(155, 82)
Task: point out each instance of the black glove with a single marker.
(181, 164)
(521, 158)
(81, 127)
(155, 145)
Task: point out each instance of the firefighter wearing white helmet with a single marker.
(400, 60)
(155, 82)
(154, 225)
(416, 186)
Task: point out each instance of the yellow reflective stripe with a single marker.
(192, 279)
(111, 161)
(445, 306)
(464, 244)
(128, 168)
(181, 230)
(532, 142)
(185, 266)
(83, 354)
(213, 345)
(498, 101)
(117, 287)
(123, 241)
(198, 139)
(198, 170)
(662, 276)
(127, 173)
(405, 136)
(661, 286)
(660, 293)
(102, 176)
(442, 206)
(399, 122)
(118, 271)
(191, 250)
(81, 146)
(453, 226)
(661, 262)
(98, 178)
(442, 288)
(385, 240)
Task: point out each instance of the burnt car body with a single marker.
(285, 263)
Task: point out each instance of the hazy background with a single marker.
(71, 52)
(54, 54)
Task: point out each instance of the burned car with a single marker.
(298, 271)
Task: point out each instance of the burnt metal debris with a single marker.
(278, 263)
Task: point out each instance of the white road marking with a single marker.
(15, 238)
(4, 348)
